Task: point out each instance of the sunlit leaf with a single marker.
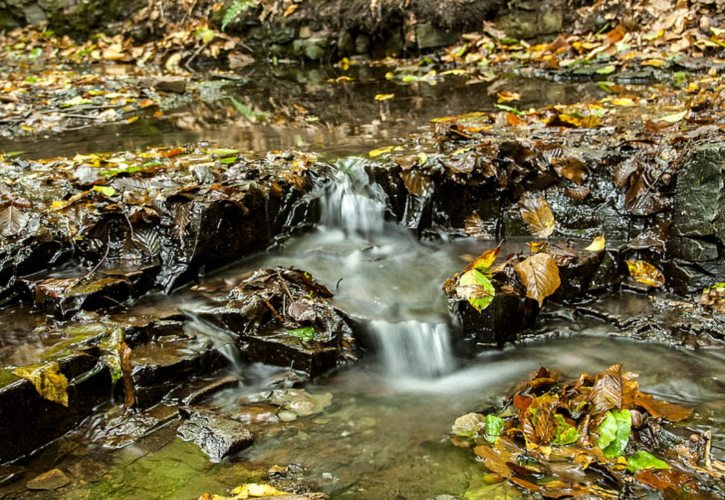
(538, 216)
(476, 288)
(645, 273)
(380, 151)
(673, 118)
(540, 275)
(614, 432)
(383, 97)
(484, 261)
(597, 244)
(48, 380)
(640, 460)
(106, 191)
(508, 96)
(76, 101)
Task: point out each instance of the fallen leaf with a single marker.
(507, 96)
(538, 216)
(641, 459)
(383, 97)
(48, 380)
(597, 244)
(12, 221)
(540, 275)
(673, 118)
(476, 288)
(485, 260)
(380, 151)
(614, 432)
(658, 408)
(645, 273)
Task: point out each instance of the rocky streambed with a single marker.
(184, 319)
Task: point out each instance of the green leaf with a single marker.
(476, 288)
(607, 70)
(510, 109)
(236, 8)
(494, 428)
(614, 432)
(106, 191)
(306, 333)
(76, 101)
(224, 152)
(565, 433)
(645, 460)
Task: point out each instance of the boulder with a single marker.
(217, 436)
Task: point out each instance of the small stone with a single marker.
(175, 85)
(48, 481)
(216, 435)
(287, 416)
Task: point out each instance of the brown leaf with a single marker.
(494, 459)
(485, 260)
(129, 390)
(475, 227)
(658, 408)
(538, 216)
(645, 273)
(578, 193)
(570, 168)
(12, 221)
(612, 389)
(540, 275)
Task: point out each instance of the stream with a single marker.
(385, 433)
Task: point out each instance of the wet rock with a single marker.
(428, 36)
(699, 213)
(284, 317)
(176, 85)
(211, 388)
(217, 436)
(66, 296)
(500, 322)
(52, 480)
(300, 402)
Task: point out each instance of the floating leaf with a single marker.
(306, 333)
(494, 428)
(644, 460)
(645, 273)
(597, 244)
(476, 288)
(538, 216)
(614, 432)
(540, 275)
(383, 97)
(48, 380)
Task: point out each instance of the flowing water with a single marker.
(385, 434)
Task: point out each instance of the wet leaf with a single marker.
(223, 152)
(484, 261)
(380, 151)
(645, 273)
(538, 216)
(597, 244)
(476, 288)
(565, 433)
(48, 380)
(614, 432)
(640, 460)
(76, 101)
(540, 275)
(507, 96)
(673, 118)
(658, 408)
(306, 333)
(503, 107)
(12, 221)
(383, 97)
(468, 425)
(613, 390)
(494, 427)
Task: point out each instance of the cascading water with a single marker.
(409, 346)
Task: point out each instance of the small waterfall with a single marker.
(413, 349)
(352, 203)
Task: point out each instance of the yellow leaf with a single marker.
(540, 275)
(624, 102)
(383, 97)
(673, 118)
(645, 273)
(48, 380)
(538, 216)
(507, 96)
(344, 64)
(597, 244)
(583, 121)
(656, 63)
(340, 79)
(107, 191)
(380, 151)
(536, 246)
(485, 260)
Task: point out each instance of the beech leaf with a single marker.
(614, 432)
(645, 273)
(645, 460)
(476, 288)
(48, 380)
(597, 244)
(540, 275)
(538, 216)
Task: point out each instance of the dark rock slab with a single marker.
(216, 435)
(54, 479)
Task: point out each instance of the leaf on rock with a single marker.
(597, 244)
(540, 275)
(645, 273)
(383, 97)
(306, 333)
(468, 425)
(484, 261)
(613, 390)
(565, 433)
(538, 216)
(614, 432)
(644, 460)
(12, 221)
(476, 288)
(48, 380)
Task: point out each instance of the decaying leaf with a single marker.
(540, 275)
(645, 273)
(48, 380)
(538, 216)
(12, 220)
